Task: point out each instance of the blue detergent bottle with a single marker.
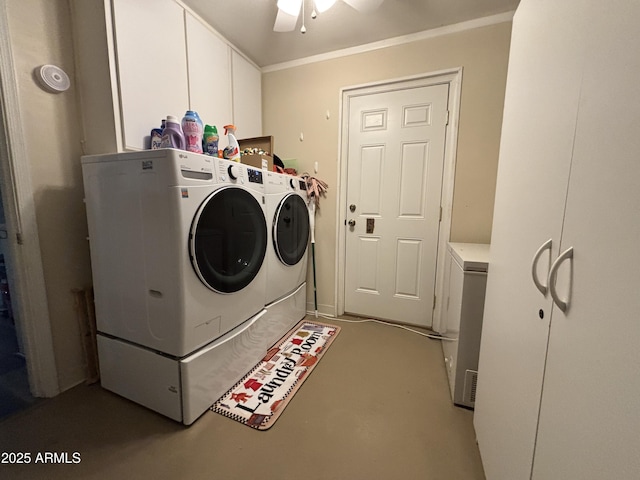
(193, 130)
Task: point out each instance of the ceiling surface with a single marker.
(248, 24)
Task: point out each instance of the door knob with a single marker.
(352, 223)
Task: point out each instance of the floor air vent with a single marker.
(470, 384)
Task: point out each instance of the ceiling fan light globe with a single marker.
(323, 5)
(364, 6)
(290, 7)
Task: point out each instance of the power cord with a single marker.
(432, 336)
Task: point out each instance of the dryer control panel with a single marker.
(254, 176)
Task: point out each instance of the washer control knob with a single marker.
(234, 172)
(292, 183)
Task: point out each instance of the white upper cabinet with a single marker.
(152, 66)
(209, 60)
(247, 97)
(139, 61)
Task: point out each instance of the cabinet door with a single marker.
(247, 97)
(209, 74)
(589, 420)
(535, 155)
(152, 65)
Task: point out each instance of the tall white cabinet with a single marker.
(558, 377)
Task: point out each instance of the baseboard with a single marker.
(329, 310)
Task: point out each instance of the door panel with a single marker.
(368, 256)
(407, 272)
(145, 74)
(413, 180)
(395, 164)
(589, 420)
(370, 180)
(209, 74)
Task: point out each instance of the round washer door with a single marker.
(291, 229)
(228, 240)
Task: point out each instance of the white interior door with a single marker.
(395, 162)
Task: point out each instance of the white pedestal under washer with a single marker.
(178, 257)
(288, 239)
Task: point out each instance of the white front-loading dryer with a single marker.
(287, 252)
(288, 234)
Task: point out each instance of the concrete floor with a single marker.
(377, 406)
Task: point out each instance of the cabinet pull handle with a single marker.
(553, 274)
(534, 266)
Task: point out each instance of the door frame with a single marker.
(451, 77)
(29, 296)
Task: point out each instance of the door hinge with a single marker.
(19, 238)
(440, 216)
(447, 118)
(434, 303)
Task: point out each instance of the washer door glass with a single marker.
(228, 240)
(291, 229)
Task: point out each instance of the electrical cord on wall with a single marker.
(433, 336)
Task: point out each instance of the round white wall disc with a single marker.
(52, 78)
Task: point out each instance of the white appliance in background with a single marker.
(178, 243)
(289, 229)
(465, 284)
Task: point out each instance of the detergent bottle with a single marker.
(232, 152)
(156, 136)
(210, 140)
(192, 128)
(172, 136)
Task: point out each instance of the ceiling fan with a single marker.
(289, 10)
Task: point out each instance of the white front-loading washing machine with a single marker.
(287, 252)
(178, 248)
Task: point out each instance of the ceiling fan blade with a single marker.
(285, 22)
(287, 17)
(364, 6)
(291, 7)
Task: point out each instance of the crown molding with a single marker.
(391, 42)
